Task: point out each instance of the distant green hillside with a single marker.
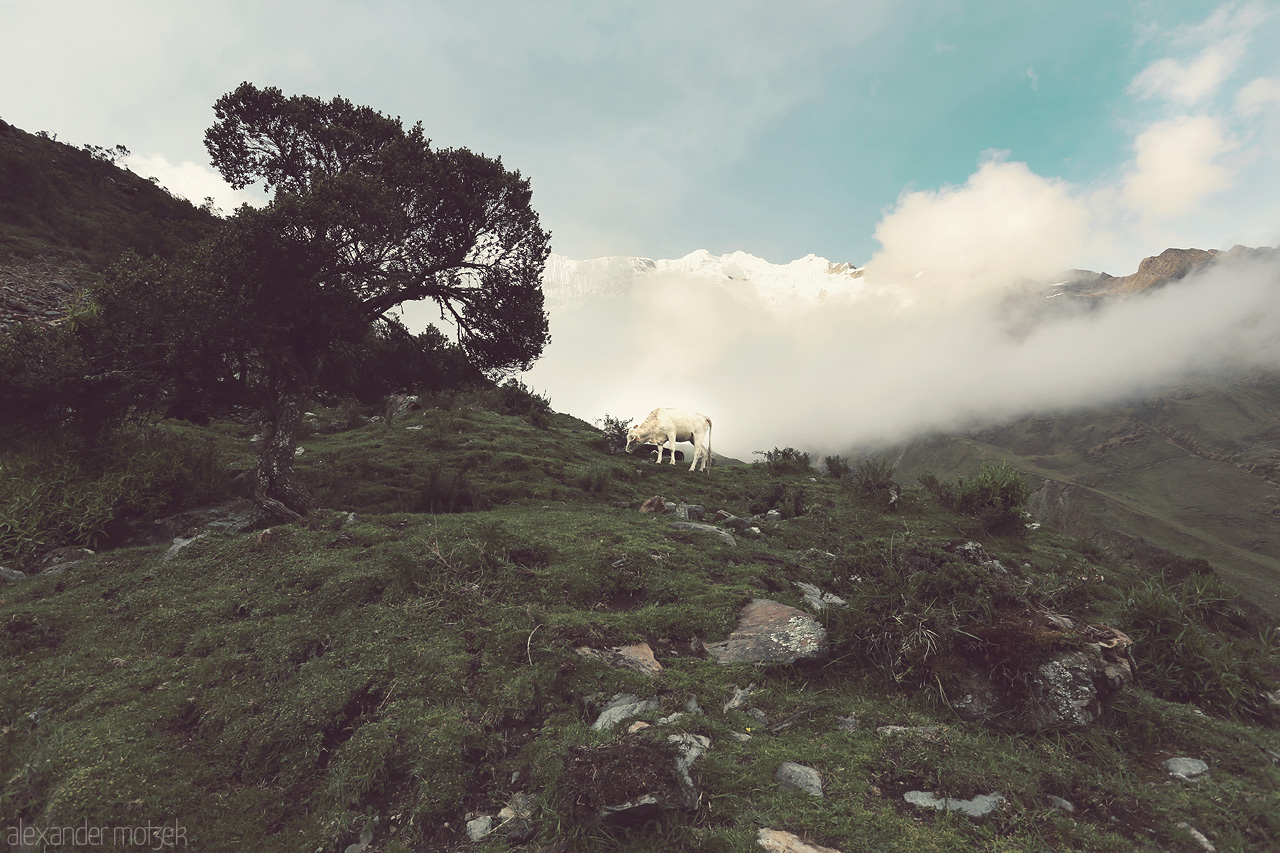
(70, 202)
(1194, 469)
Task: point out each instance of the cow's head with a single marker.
(633, 439)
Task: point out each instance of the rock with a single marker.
(848, 724)
(235, 516)
(638, 657)
(654, 504)
(1198, 837)
(738, 700)
(690, 749)
(366, 838)
(739, 524)
(178, 544)
(772, 633)
(623, 706)
(705, 528)
(58, 560)
(634, 778)
(925, 733)
(977, 808)
(777, 841)
(479, 827)
(1067, 690)
(690, 512)
(1062, 805)
(1185, 769)
(817, 600)
(798, 777)
(399, 405)
(773, 515)
(11, 575)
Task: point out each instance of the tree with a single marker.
(365, 216)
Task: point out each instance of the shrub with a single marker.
(54, 496)
(1181, 656)
(786, 460)
(945, 493)
(515, 398)
(874, 475)
(836, 467)
(997, 497)
(615, 433)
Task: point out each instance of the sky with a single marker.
(957, 149)
(656, 128)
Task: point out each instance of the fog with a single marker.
(951, 326)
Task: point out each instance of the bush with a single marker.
(1180, 653)
(874, 475)
(997, 497)
(54, 496)
(784, 461)
(615, 433)
(836, 467)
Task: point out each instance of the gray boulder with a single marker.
(791, 776)
(772, 633)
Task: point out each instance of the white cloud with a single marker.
(1176, 166)
(192, 181)
(1259, 96)
(1005, 223)
(1190, 82)
(1225, 37)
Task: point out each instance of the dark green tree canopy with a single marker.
(390, 219)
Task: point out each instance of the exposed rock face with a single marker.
(772, 633)
(1169, 265)
(1078, 669)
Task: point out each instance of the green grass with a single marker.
(279, 692)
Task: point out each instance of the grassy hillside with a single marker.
(390, 673)
(1193, 469)
(74, 203)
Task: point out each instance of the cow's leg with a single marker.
(671, 443)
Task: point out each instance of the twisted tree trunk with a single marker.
(276, 489)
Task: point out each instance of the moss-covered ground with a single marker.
(414, 664)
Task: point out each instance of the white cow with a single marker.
(664, 427)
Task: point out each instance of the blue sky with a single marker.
(658, 128)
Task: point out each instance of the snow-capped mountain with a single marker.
(809, 279)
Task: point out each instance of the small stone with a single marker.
(777, 841)
(791, 776)
(621, 707)
(1186, 769)
(1062, 805)
(11, 575)
(977, 808)
(479, 827)
(1198, 837)
(705, 528)
(847, 724)
(738, 700)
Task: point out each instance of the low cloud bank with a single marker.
(891, 361)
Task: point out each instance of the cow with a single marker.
(664, 427)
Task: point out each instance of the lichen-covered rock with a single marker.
(772, 633)
(791, 776)
(1038, 670)
(977, 808)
